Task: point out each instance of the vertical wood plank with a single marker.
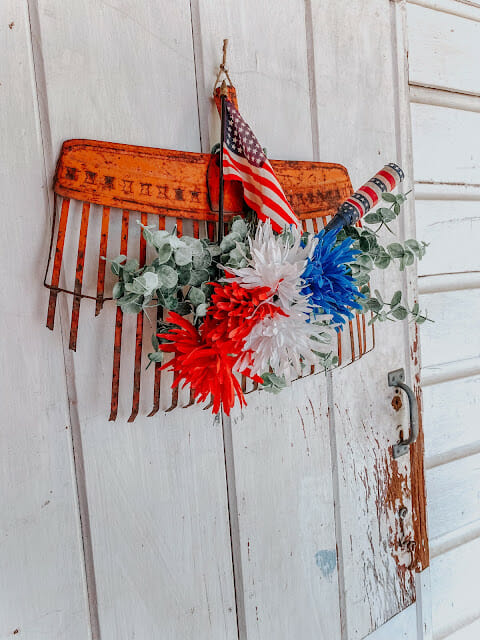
(279, 459)
(124, 72)
(353, 46)
(42, 583)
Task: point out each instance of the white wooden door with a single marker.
(281, 521)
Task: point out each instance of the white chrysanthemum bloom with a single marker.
(276, 262)
(287, 343)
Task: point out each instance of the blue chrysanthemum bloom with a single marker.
(328, 284)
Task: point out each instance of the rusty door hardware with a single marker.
(397, 379)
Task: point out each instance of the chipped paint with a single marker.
(326, 561)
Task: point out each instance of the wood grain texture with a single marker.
(42, 584)
(454, 593)
(286, 555)
(156, 488)
(357, 121)
(453, 495)
(442, 141)
(442, 48)
(452, 336)
(452, 229)
(451, 411)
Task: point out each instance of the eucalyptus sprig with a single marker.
(179, 277)
(393, 310)
(374, 255)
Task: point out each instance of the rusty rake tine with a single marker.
(77, 292)
(339, 347)
(158, 371)
(359, 333)
(174, 400)
(62, 227)
(101, 259)
(179, 227)
(117, 348)
(139, 333)
(352, 339)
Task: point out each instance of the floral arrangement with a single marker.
(260, 304)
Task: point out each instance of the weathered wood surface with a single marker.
(443, 45)
(281, 468)
(452, 229)
(156, 488)
(370, 485)
(442, 142)
(442, 50)
(312, 492)
(42, 582)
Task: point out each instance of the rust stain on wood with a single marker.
(417, 454)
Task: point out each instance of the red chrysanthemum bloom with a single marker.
(237, 309)
(206, 358)
(204, 364)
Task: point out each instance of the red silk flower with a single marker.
(205, 358)
(206, 365)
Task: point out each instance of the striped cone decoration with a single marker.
(357, 205)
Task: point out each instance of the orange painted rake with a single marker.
(177, 185)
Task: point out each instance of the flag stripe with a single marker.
(243, 165)
(263, 197)
(270, 197)
(245, 160)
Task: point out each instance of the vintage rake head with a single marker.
(175, 187)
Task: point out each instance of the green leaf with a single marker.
(382, 261)
(397, 296)
(183, 256)
(196, 296)
(420, 319)
(155, 341)
(399, 313)
(164, 252)
(201, 310)
(239, 226)
(202, 261)
(395, 249)
(131, 265)
(159, 237)
(184, 308)
(198, 277)
(396, 208)
(373, 304)
(118, 290)
(372, 218)
(415, 308)
(184, 274)
(229, 241)
(156, 356)
(167, 277)
(365, 260)
(388, 197)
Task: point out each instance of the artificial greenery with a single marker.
(374, 255)
(179, 278)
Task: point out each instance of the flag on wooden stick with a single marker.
(244, 160)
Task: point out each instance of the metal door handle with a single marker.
(397, 379)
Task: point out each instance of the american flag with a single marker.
(243, 159)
